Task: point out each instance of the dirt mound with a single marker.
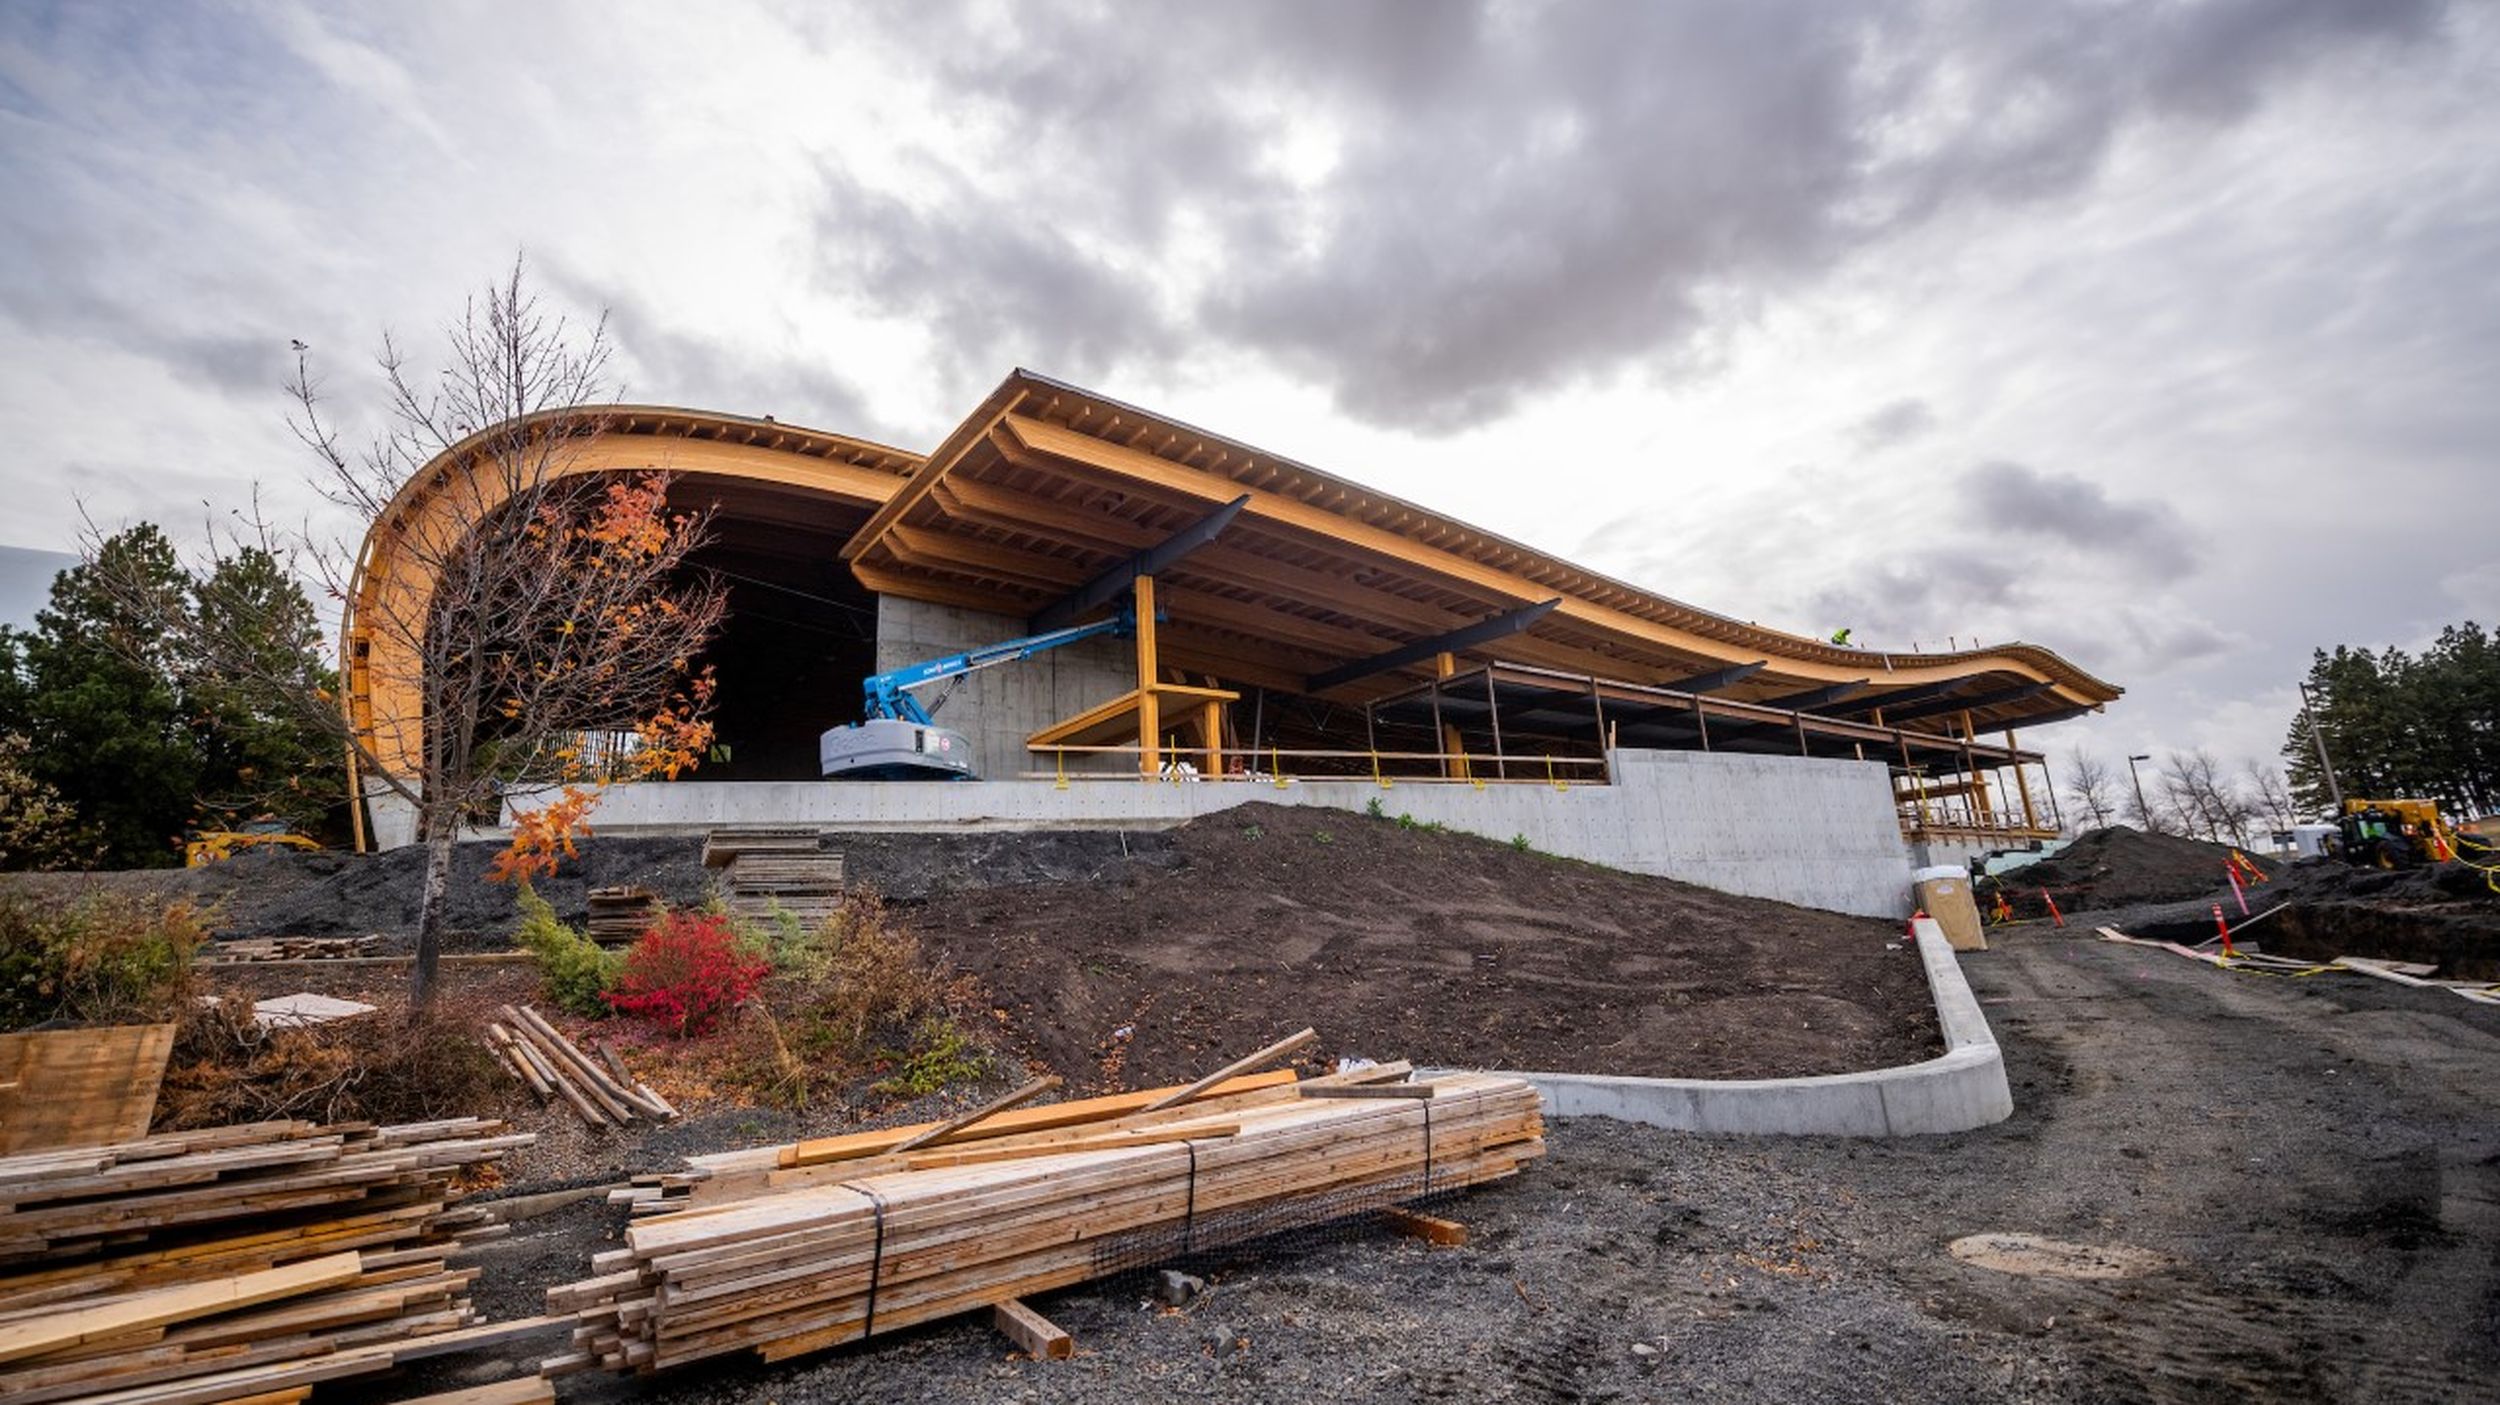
(1400, 941)
(2121, 867)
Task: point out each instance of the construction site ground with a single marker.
(2312, 1167)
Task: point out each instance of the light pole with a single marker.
(2143, 811)
(2309, 711)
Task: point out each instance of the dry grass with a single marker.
(380, 1067)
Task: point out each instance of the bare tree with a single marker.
(530, 610)
(2091, 787)
(2271, 795)
(2204, 802)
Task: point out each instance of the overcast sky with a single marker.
(2167, 335)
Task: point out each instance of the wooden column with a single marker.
(1982, 812)
(1149, 707)
(1453, 745)
(1211, 734)
(2022, 783)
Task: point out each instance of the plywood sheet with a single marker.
(80, 1087)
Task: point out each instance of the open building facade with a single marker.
(1300, 638)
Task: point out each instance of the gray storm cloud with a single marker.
(1524, 196)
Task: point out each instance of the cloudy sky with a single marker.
(2167, 335)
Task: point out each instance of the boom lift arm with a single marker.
(888, 695)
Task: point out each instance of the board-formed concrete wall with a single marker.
(1816, 832)
(997, 708)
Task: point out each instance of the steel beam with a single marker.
(1111, 584)
(1448, 642)
(1713, 682)
(1996, 699)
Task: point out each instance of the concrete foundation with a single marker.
(1815, 832)
(998, 708)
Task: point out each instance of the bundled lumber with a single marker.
(238, 1262)
(806, 886)
(550, 1065)
(621, 915)
(884, 1239)
(294, 949)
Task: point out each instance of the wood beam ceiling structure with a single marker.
(1047, 487)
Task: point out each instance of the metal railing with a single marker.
(1268, 766)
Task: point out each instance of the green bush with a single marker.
(101, 958)
(574, 972)
(939, 1057)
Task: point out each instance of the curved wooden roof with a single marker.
(1046, 486)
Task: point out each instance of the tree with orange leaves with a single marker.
(557, 649)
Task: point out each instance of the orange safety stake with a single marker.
(2059, 917)
(2225, 929)
(2236, 890)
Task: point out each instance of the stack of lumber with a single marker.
(238, 1262)
(295, 949)
(767, 870)
(621, 915)
(835, 1247)
(602, 1090)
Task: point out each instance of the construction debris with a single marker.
(239, 1262)
(828, 1251)
(602, 1091)
(2249, 959)
(294, 949)
(305, 1008)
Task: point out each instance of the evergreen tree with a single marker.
(2400, 727)
(259, 759)
(104, 716)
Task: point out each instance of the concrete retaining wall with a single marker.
(1815, 832)
(1962, 1089)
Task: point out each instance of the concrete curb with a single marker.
(1962, 1089)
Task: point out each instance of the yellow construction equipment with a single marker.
(2391, 833)
(208, 846)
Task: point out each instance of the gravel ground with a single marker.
(2316, 1164)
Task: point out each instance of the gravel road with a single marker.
(2314, 1165)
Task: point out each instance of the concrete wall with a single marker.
(998, 708)
(1819, 833)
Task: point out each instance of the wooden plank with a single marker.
(520, 1390)
(80, 1087)
(1425, 1227)
(1364, 1090)
(1153, 1136)
(68, 1329)
(1239, 1066)
(855, 1145)
(1035, 1335)
(998, 1104)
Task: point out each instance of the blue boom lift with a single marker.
(899, 740)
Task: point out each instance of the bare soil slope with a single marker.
(1442, 948)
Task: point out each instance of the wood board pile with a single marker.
(807, 886)
(238, 1262)
(721, 846)
(884, 1240)
(251, 949)
(621, 915)
(604, 1091)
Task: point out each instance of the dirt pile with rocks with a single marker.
(1400, 941)
(2121, 867)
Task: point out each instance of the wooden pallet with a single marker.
(252, 949)
(237, 1263)
(872, 1245)
(721, 846)
(806, 885)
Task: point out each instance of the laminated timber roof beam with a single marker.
(1040, 444)
(1111, 584)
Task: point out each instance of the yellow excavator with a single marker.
(208, 846)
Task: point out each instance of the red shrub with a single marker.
(686, 972)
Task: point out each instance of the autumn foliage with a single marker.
(686, 972)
